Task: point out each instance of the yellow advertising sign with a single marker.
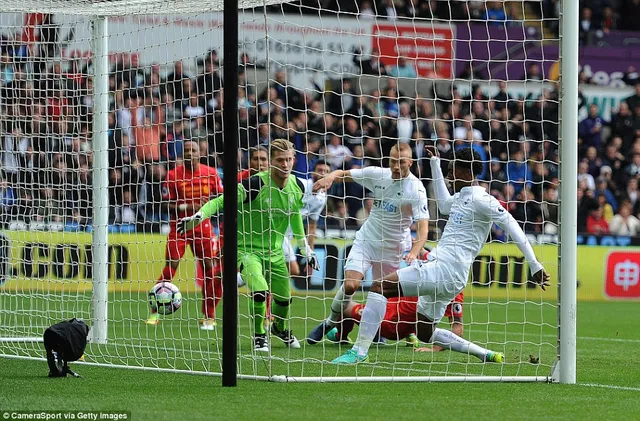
(61, 261)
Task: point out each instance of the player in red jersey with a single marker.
(187, 188)
(258, 162)
(399, 321)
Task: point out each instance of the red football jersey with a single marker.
(186, 186)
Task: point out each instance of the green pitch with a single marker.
(608, 339)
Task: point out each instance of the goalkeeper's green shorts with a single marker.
(256, 270)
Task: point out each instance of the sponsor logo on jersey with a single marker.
(384, 205)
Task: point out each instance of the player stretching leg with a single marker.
(472, 211)
(187, 187)
(398, 196)
(267, 203)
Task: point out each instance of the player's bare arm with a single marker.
(418, 243)
(326, 182)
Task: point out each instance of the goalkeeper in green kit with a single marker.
(268, 203)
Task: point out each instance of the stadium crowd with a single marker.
(46, 129)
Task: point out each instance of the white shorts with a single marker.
(287, 248)
(434, 284)
(363, 257)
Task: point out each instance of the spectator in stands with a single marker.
(336, 154)
(387, 9)
(623, 125)
(607, 209)
(587, 27)
(404, 69)
(609, 20)
(584, 176)
(370, 66)
(147, 136)
(590, 129)
(625, 223)
(533, 72)
(549, 209)
(633, 169)
(175, 82)
(596, 224)
(366, 11)
(405, 125)
(518, 173)
(632, 194)
(495, 14)
(634, 100)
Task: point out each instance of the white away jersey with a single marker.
(472, 213)
(314, 203)
(396, 204)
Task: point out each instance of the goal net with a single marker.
(344, 82)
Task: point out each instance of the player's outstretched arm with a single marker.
(325, 182)
(443, 198)
(507, 222)
(212, 207)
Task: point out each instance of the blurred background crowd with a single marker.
(46, 110)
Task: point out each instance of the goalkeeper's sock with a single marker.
(259, 312)
(450, 340)
(339, 303)
(281, 314)
(167, 274)
(372, 316)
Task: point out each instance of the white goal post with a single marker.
(58, 267)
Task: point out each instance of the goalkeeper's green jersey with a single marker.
(265, 212)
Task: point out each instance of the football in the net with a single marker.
(165, 298)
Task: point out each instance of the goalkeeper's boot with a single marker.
(318, 333)
(260, 343)
(412, 340)
(207, 324)
(336, 336)
(350, 357)
(285, 336)
(153, 319)
(494, 357)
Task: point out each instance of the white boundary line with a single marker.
(547, 335)
(611, 386)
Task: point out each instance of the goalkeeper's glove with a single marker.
(189, 223)
(309, 258)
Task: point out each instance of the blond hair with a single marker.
(280, 145)
(402, 147)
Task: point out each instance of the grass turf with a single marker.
(607, 342)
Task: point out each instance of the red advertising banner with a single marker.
(428, 48)
(622, 279)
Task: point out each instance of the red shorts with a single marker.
(454, 309)
(201, 239)
(399, 320)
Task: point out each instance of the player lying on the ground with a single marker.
(267, 203)
(399, 197)
(399, 321)
(187, 187)
(472, 212)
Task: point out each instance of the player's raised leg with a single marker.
(250, 267)
(281, 293)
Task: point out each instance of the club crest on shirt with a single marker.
(455, 217)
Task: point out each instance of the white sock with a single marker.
(240, 280)
(450, 340)
(372, 316)
(339, 303)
